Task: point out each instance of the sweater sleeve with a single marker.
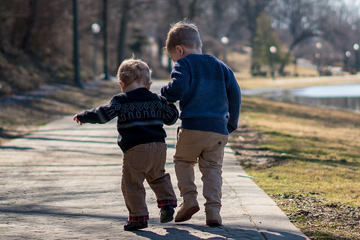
(179, 85)
(171, 114)
(234, 101)
(101, 114)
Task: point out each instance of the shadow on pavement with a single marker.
(68, 140)
(59, 213)
(16, 148)
(223, 232)
(194, 232)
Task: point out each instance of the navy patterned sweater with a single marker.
(210, 97)
(140, 117)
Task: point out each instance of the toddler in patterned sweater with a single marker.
(140, 118)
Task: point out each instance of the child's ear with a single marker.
(179, 49)
(122, 85)
(148, 85)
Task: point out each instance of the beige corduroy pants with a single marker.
(207, 149)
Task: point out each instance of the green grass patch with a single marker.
(319, 161)
(322, 147)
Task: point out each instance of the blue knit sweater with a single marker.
(210, 97)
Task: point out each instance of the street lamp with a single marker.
(318, 46)
(346, 60)
(225, 41)
(272, 50)
(95, 29)
(356, 48)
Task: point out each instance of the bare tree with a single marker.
(124, 19)
(341, 28)
(128, 8)
(301, 19)
(188, 9)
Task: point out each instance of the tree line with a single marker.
(41, 32)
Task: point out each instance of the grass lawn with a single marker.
(315, 177)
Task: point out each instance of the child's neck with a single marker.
(134, 85)
(188, 51)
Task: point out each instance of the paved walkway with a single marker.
(63, 182)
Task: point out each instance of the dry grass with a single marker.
(20, 118)
(324, 143)
(318, 160)
(306, 77)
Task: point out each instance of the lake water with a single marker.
(334, 96)
(333, 91)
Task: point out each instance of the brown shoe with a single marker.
(213, 218)
(187, 209)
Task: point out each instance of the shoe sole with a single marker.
(213, 223)
(188, 214)
(135, 228)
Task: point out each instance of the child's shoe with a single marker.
(133, 226)
(213, 218)
(187, 209)
(166, 213)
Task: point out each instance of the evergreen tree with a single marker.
(265, 37)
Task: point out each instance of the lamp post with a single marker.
(318, 56)
(272, 50)
(106, 75)
(151, 49)
(225, 41)
(76, 47)
(356, 48)
(95, 29)
(346, 60)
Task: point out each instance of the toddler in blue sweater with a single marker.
(210, 101)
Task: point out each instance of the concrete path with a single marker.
(63, 182)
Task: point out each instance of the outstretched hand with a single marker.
(77, 120)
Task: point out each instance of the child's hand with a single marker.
(77, 120)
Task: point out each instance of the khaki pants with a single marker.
(207, 149)
(145, 161)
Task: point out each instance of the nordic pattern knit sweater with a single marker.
(210, 97)
(140, 117)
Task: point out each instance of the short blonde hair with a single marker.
(183, 33)
(132, 69)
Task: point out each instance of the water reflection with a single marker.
(335, 96)
(329, 91)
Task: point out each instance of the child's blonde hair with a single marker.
(132, 69)
(183, 33)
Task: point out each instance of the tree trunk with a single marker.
(30, 24)
(123, 30)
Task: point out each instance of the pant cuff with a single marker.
(139, 218)
(167, 202)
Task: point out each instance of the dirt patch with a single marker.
(316, 217)
(319, 219)
(246, 144)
